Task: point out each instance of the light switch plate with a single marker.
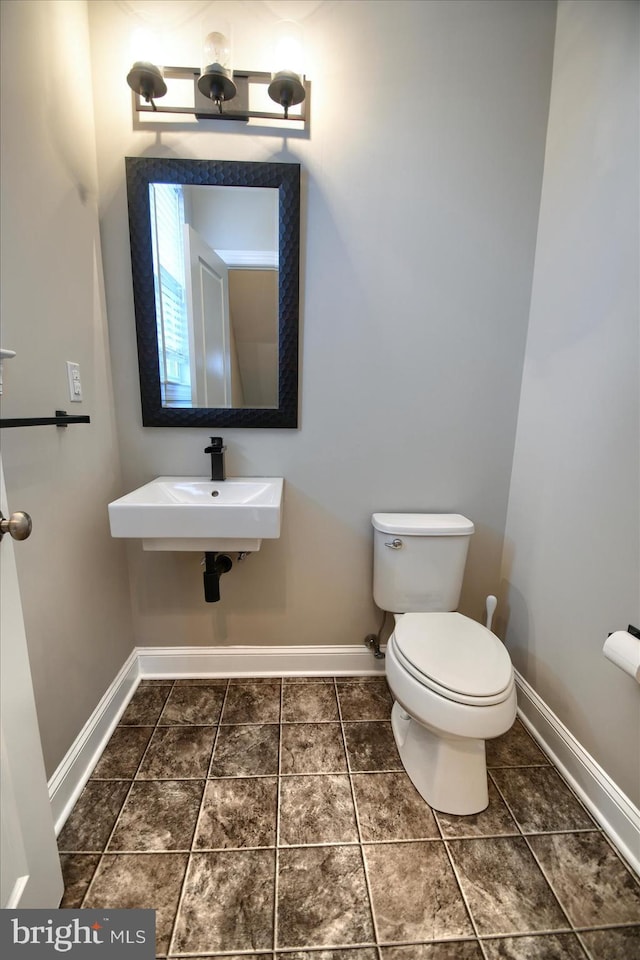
(75, 386)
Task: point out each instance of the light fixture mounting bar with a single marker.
(238, 109)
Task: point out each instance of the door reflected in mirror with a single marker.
(214, 252)
(215, 267)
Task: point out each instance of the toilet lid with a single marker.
(450, 651)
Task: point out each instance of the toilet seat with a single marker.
(454, 656)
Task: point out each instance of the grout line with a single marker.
(274, 932)
(126, 796)
(463, 895)
(530, 849)
(195, 829)
(376, 947)
(363, 858)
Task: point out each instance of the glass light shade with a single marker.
(286, 86)
(288, 48)
(145, 46)
(216, 78)
(216, 54)
(145, 76)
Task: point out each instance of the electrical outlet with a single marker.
(75, 386)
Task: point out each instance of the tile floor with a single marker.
(272, 818)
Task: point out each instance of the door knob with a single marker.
(17, 526)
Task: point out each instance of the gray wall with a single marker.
(420, 209)
(572, 555)
(73, 576)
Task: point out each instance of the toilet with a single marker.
(451, 678)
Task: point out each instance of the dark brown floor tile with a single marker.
(146, 704)
(357, 953)
(158, 815)
(289, 680)
(367, 700)
(123, 753)
(322, 898)
(504, 888)
(453, 950)
(238, 813)
(621, 943)
(246, 751)
(370, 746)
(227, 902)
(515, 748)
(93, 816)
(141, 880)
(557, 946)
(221, 682)
(178, 753)
(360, 679)
(414, 891)
(256, 701)
(495, 821)
(390, 808)
(232, 956)
(592, 884)
(77, 871)
(193, 704)
(202, 682)
(309, 702)
(317, 809)
(312, 748)
(540, 800)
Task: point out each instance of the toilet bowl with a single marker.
(453, 686)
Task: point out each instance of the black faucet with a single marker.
(217, 458)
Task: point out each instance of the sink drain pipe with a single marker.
(215, 564)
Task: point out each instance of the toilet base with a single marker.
(450, 773)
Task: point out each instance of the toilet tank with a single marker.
(418, 560)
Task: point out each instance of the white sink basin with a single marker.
(193, 513)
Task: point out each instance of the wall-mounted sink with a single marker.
(193, 513)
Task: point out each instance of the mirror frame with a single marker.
(285, 177)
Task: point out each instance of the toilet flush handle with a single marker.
(395, 544)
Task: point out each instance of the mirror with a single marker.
(215, 263)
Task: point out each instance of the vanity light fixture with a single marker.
(219, 92)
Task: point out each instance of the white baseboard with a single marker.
(615, 813)
(610, 807)
(68, 780)
(176, 662)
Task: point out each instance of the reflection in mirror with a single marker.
(215, 265)
(215, 269)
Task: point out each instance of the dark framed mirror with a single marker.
(215, 250)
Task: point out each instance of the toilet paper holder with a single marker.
(634, 631)
(622, 648)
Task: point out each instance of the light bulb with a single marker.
(216, 53)
(145, 76)
(216, 79)
(288, 48)
(286, 86)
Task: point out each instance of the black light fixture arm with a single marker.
(229, 92)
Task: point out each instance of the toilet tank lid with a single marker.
(422, 524)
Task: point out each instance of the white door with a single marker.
(31, 874)
(209, 322)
